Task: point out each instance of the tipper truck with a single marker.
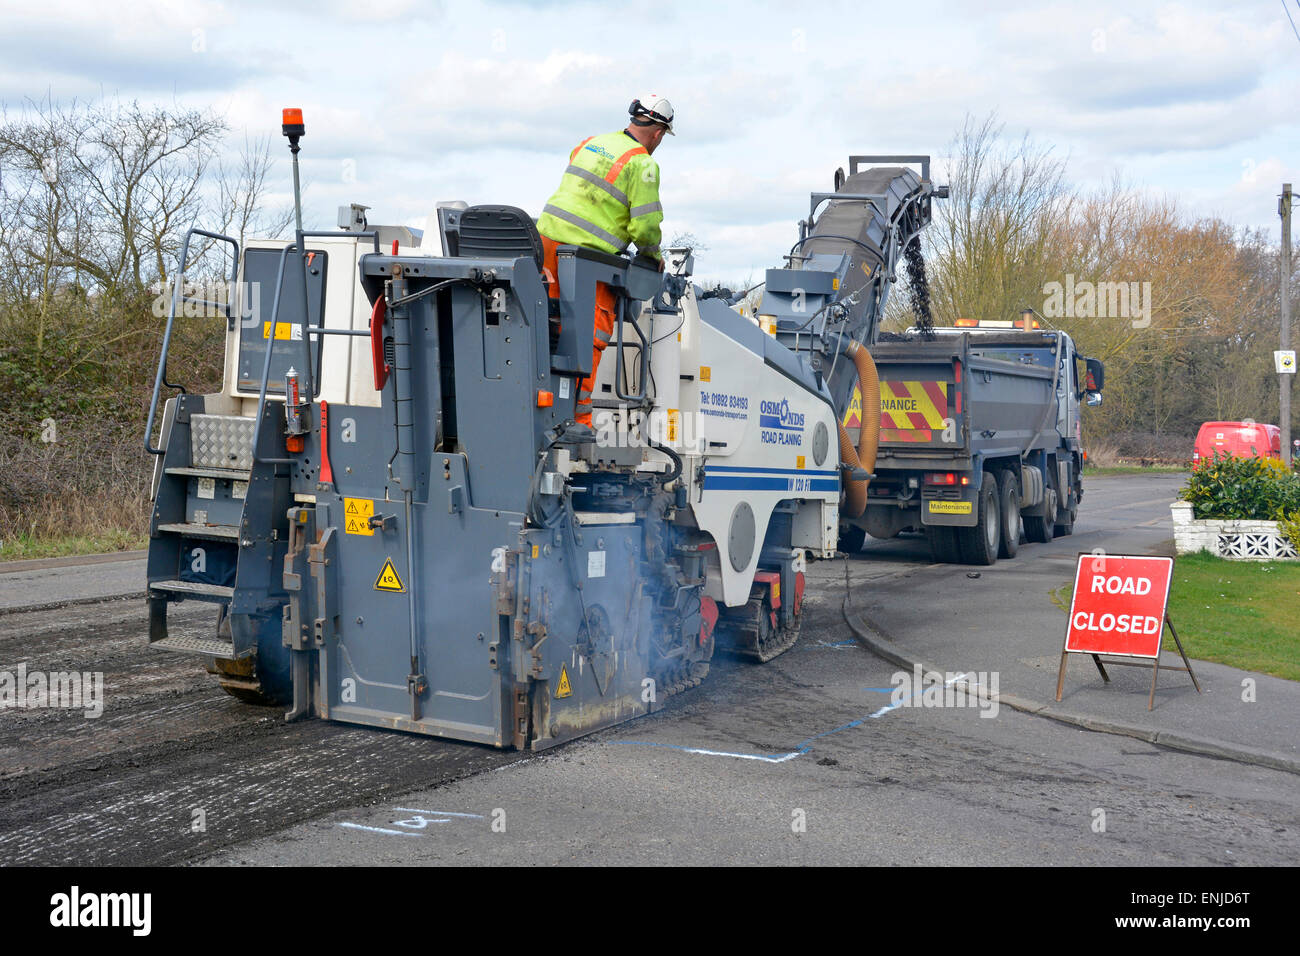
(979, 438)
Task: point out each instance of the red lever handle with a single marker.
(326, 472)
(381, 367)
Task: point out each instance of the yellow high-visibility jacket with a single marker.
(608, 198)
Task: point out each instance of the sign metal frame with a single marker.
(1096, 656)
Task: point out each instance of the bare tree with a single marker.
(997, 237)
(686, 240)
(239, 209)
(110, 187)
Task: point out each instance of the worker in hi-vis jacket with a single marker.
(608, 200)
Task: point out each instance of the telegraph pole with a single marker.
(1284, 378)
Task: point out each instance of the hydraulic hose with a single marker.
(864, 456)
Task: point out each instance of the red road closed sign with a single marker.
(1119, 605)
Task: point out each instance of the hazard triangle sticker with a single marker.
(388, 579)
(564, 689)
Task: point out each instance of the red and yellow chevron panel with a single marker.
(913, 405)
(908, 410)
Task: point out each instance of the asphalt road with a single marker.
(802, 760)
(175, 769)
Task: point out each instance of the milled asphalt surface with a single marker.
(1006, 620)
(171, 749)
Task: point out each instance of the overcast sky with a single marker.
(407, 102)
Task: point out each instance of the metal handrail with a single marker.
(160, 378)
(305, 329)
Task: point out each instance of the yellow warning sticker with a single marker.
(535, 551)
(283, 331)
(798, 461)
(357, 513)
(950, 507)
(706, 373)
(564, 689)
(388, 579)
(674, 423)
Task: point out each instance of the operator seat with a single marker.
(504, 232)
(499, 232)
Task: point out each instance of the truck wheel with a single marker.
(852, 539)
(1009, 501)
(1040, 527)
(1065, 519)
(943, 544)
(979, 545)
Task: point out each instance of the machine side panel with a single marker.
(774, 458)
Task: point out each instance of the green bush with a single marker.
(1250, 489)
(1289, 525)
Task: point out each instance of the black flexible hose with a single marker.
(677, 460)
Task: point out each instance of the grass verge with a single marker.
(1245, 614)
(26, 548)
(1101, 471)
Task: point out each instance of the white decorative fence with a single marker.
(1238, 540)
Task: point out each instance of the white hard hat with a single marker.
(653, 107)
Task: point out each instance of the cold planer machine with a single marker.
(449, 553)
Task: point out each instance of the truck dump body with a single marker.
(947, 400)
(977, 428)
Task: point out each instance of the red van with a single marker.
(1243, 439)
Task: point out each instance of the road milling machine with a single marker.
(401, 522)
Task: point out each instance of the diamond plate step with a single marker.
(194, 589)
(222, 532)
(207, 646)
(233, 474)
(222, 441)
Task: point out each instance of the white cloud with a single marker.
(407, 103)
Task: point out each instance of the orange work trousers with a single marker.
(605, 314)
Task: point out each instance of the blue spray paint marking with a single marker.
(440, 813)
(423, 817)
(764, 758)
(358, 826)
(799, 751)
(836, 645)
(802, 748)
(881, 690)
